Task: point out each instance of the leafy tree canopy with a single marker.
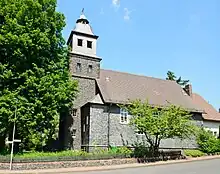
(171, 76)
(160, 123)
(34, 74)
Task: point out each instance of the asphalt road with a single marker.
(195, 167)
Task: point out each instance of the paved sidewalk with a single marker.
(99, 168)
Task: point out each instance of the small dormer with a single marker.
(82, 40)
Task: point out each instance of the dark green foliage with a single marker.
(145, 153)
(181, 82)
(207, 142)
(34, 74)
(171, 76)
(141, 150)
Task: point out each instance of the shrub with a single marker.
(124, 150)
(121, 150)
(194, 153)
(4, 151)
(207, 142)
(141, 150)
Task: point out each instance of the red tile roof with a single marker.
(119, 87)
(210, 112)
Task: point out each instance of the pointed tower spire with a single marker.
(82, 19)
(82, 38)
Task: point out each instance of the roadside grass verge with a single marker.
(70, 155)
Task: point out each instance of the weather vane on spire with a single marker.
(83, 11)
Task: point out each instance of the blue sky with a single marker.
(150, 37)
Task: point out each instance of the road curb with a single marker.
(102, 168)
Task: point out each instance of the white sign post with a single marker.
(13, 141)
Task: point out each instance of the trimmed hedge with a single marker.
(194, 153)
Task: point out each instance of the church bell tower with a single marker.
(83, 44)
(85, 68)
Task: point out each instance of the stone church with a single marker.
(96, 120)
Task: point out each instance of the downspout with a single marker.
(108, 134)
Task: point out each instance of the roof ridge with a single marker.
(197, 94)
(139, 75)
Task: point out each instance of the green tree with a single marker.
(160, 123)
(171, 76)
(207, 142)
(34, 71)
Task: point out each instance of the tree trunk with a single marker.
(156, 147)
(156, 151)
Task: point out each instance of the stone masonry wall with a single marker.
(122, 134)
(98, 125)
(85, 61)
(17, 167)
(87, 90)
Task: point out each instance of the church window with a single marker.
(89, 44)
(74, 111)
(90, 69)
(80, 42)
(78, 67)
(87, 119)
(123, 116)
(84, 128)
(74, 133)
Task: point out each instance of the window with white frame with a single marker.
(80, 42)
(138, 132)
(123, 116)
(89, 44)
